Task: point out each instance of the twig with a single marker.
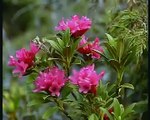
(62, 109)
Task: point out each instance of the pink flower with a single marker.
(21, 68)
(24, 59)
(87, 79)
(88, 48)
(78, 26)
(51, 80)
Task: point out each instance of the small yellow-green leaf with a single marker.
(109, 37)
(127, 85)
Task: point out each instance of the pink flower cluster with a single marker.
(88, 48)
(51, 80)
(87, 79)
(78, 26)
(24, 59)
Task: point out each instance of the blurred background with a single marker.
(23, 20)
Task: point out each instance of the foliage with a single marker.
(125, 44)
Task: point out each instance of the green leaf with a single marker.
(35, 102)
(78, 57)
(106, 112)
(120, 46)
(45, 97)
(53, 58)
(111, 87)
(109, 102)
(110, 38)
(122, 109)
(55, 45)
(125, 58)
(66, 91)
(115, 64)
(50, 37)
(66, 37)
(141, 106)
(50, 111)
(93, 117)
(111, 49)
(75, 45)
(117, 108)
(67, 53)
(60, 42)
(102, 91)
(128, 110)
(127, 85)
(77, 61)
(100, 54)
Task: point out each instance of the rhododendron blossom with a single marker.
(88, 48)
(78, 26)
(87, 79)
(24, 59)
(51, 80)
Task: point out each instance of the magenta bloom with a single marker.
(51, 80)
(78, 26)
(88, 48)
(24, 59)
(87, 79)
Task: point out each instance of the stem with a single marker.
(119, 80)
(119, 77)
(62, 109)
(74, 95)
(67, 68)
(67, 114)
